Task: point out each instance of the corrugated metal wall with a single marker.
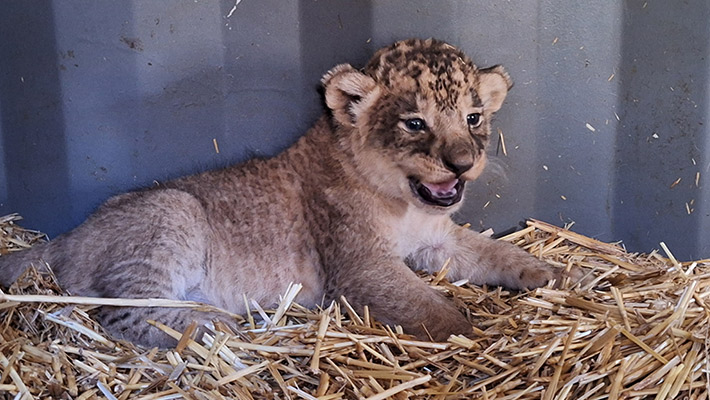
(609, 108)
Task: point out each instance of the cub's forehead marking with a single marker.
(435, 70)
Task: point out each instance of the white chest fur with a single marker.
(418, 233)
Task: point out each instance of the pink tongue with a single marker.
(443, 188)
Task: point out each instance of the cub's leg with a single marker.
(151, 244)
(130, 324)
(397, 296)
(148, 280)
(482, 260)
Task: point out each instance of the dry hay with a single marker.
(637, 329)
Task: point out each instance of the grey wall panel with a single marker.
(99, 97)
(662, 136)
(4, 196)
(34, 135)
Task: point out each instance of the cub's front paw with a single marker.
(440, 326)
(518, 270)
(533, 273)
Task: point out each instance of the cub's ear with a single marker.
(348, 92)
(493, 87)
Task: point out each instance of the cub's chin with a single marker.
(445, 196)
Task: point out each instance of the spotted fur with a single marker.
(349, 210)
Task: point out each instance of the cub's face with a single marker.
(416, 120)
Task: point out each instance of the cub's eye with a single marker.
(415, 124)
(474, 120)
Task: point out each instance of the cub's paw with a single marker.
(535, 273)
(439, 327)
(574, 276)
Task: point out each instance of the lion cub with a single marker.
(350, 209)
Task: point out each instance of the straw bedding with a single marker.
(636, 329)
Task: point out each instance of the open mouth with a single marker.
(443, 194)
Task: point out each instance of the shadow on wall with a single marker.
(33, 137)
(328, 37)
(660, 143)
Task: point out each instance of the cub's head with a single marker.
(416, 120)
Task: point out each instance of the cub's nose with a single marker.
(458, 169)
(458, 161)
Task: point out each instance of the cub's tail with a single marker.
(12, 265)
